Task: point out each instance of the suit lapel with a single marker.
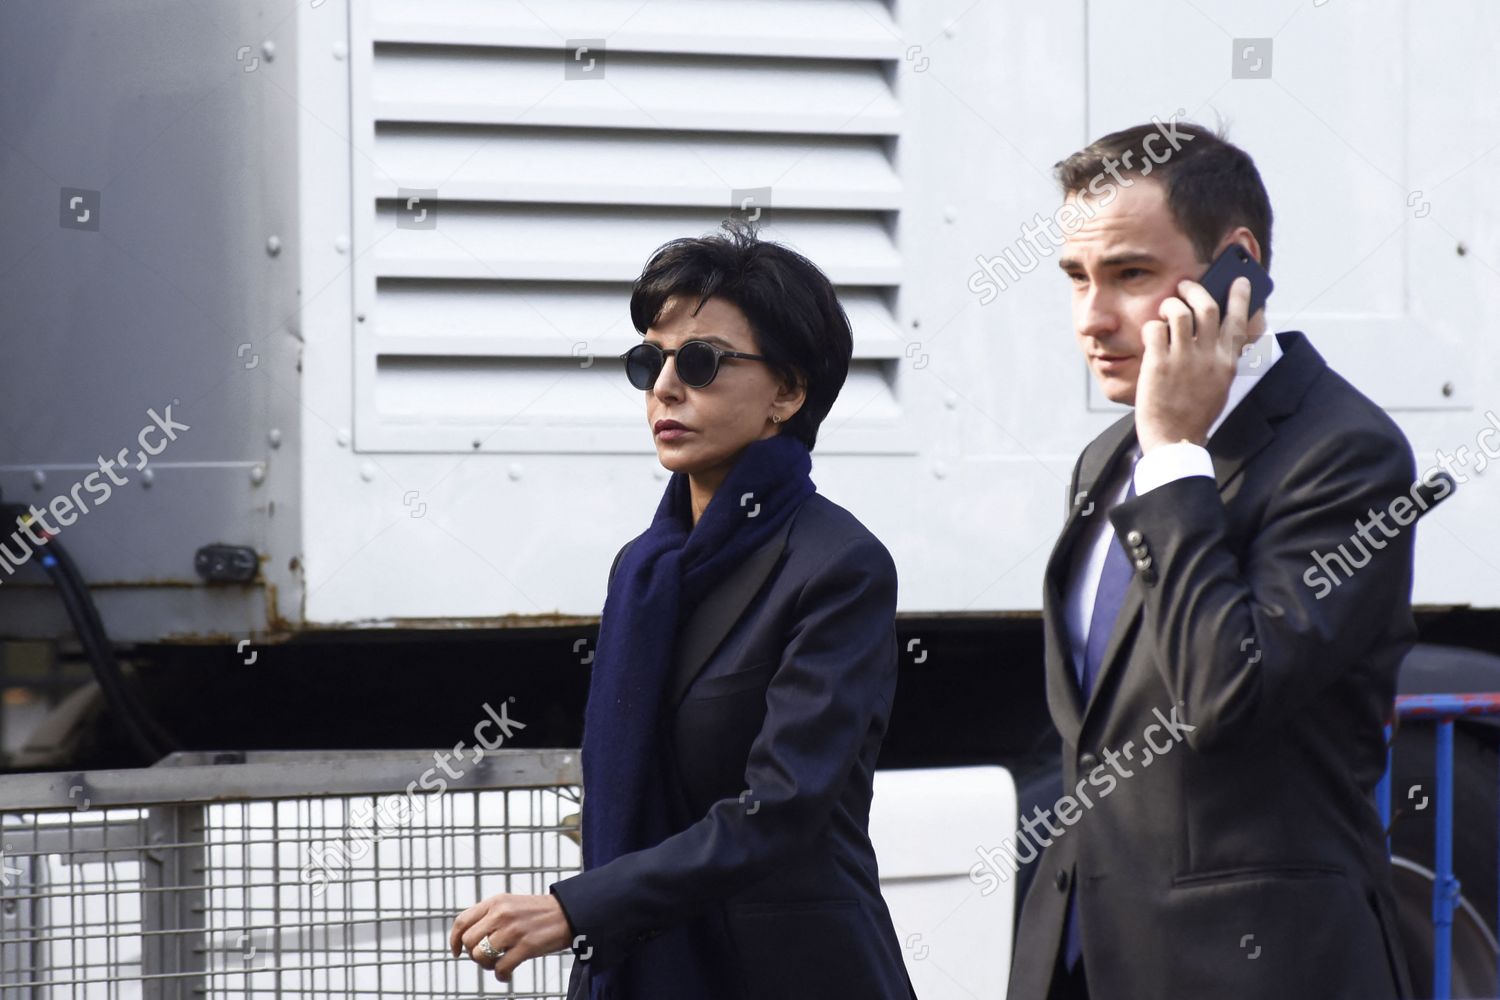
(1099, 463)
(716, 614)
(1094, 473)
(1250, 427)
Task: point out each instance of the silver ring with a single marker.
(486, 949)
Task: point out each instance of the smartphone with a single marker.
(1233, 262)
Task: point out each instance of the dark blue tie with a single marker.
(1114, 580)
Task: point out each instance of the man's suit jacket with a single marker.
(1242, 855)
(780, 694)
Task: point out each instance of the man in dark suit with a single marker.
(1220, 661)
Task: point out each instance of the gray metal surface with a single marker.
(185, 154)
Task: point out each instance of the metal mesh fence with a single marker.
(288, 875)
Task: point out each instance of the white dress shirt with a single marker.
(1168, 463)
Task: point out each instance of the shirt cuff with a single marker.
(1169, 463)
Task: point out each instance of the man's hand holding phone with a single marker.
(1191, 354)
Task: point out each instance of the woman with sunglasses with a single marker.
(743, 676)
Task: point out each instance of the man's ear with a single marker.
(1245, 238)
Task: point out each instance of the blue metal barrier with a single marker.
(1443, 708)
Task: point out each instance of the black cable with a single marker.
(95, 625)
(147, 735)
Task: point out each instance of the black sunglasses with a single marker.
(697, 363)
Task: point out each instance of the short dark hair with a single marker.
(1212, 185)
(793, 310)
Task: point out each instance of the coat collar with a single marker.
(1250, 427)
(720, 608)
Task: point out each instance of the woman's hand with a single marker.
(517, 927)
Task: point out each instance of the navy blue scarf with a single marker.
(625, 759)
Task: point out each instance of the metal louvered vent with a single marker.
(511, 176)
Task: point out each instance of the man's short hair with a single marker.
(1212, 185)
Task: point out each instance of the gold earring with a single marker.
(775, 419)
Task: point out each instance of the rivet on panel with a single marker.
(257, 474)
